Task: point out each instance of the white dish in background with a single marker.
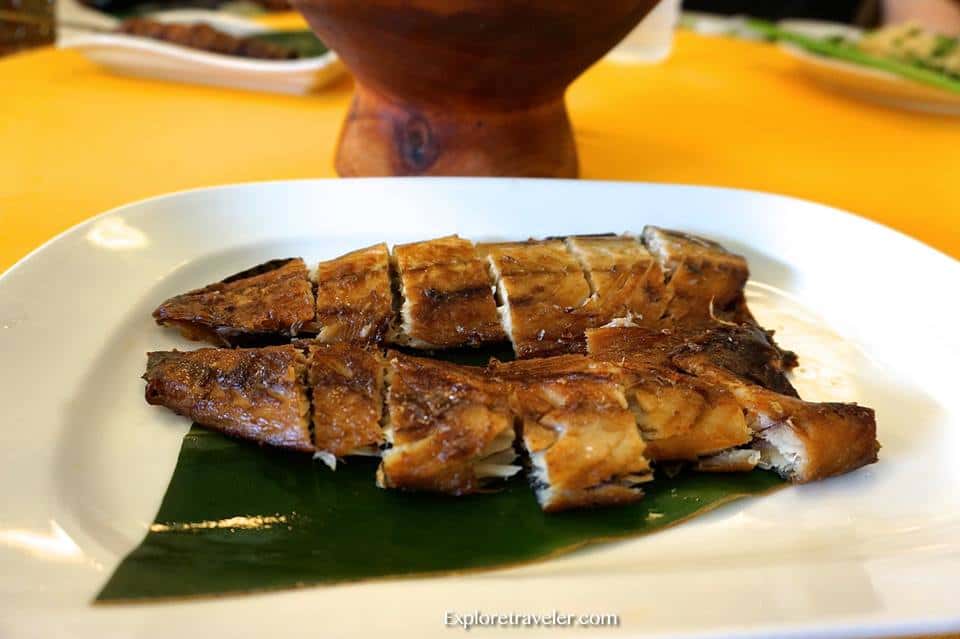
(84, 461)
(854, 80)
(143, 57)
(874, 85)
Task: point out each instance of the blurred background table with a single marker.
(77, 141)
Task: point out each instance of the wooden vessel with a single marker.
(465, 87)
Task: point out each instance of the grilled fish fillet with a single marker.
(578, 431)
(745, 350)
(354, 297)
(802, 441)
(681, 416)
(703, 278)
(254, 394)
(449, 428)
(346, 386)
(273, 299)
(447, 295)
(549, 292)
(626, 281)
(541, 291)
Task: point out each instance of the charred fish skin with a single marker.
(253, 394)
(542, 290)
(346, 386)
(582, 442)
(266, 301)
(447, 295)
(354, 297)
(449, 428)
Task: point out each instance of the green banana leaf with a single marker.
(239, 518)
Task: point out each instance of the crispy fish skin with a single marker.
(802, 441)
(354, 297)
(581, 437)
(255, 394)
(447, 293)
(346, 385)
(704, 279)
(444, 422)
(275, 298)
(625, 279)
(745, 350)
(542, 292)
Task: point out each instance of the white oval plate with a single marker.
(143, 57)
(84, 461)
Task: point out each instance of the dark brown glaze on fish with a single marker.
(704, 280)
(254, 394)
(449, 427)
(267, 301)
(745, 350)
(625, 279)
(346, 385)
(579, 434)
(447, 295)
(354, 297)
(542, 291)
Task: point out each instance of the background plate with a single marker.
(143, 57)
(84, 462)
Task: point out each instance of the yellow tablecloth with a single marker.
(75, 140)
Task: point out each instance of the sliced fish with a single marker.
(354, 299)
(447, 295)
(577, 430)
(449, 428)
(542, 290)
(346, 387)
(626, 281)
(704, 279)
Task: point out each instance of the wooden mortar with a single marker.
(465, 87)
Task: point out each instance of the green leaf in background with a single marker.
(839, 49)
(303, 42)
(239, 518)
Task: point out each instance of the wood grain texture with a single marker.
(465, 87)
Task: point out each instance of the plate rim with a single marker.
(76, 228)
